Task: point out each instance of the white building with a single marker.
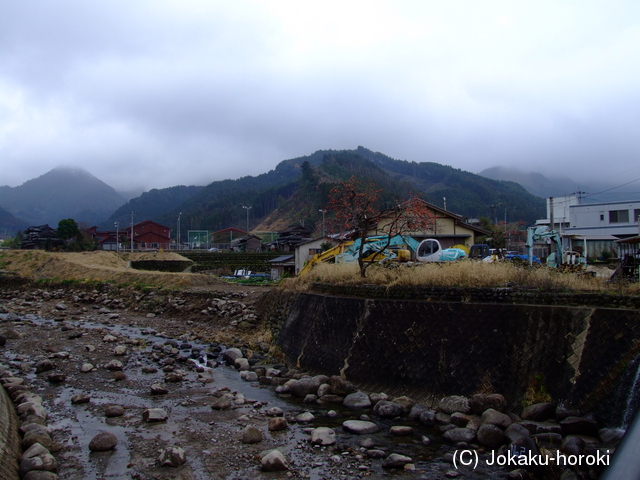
(599, 224)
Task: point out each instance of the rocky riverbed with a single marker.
(148, 385)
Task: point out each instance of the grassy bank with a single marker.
(459, 274)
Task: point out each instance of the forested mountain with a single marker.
(297, 189)
(10, 224)
(61, 193)
(150, 205)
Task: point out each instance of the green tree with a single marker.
(67, 229)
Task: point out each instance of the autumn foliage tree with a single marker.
(354, 206)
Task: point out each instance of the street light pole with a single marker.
(178, 244)
(117, 224)
(247, 209)
(131, 232)
(323, 212)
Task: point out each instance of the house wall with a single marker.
(302, 254)
(600, 219)
(448, 231)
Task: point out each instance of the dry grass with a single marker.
(456, 274)
(97, 266)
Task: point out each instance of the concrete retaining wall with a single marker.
(10, 448)
(432, 348)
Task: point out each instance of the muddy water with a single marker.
(202, 432)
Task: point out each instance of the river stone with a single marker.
(248, 376)
(357, 400)
(341, 386)
(120, 350)
(34, 450)
(325, 399)
(516, 430)
(172, 457)
(323, 436)
(45, 462)
(496, 418)
(147, 369)
(305, 417)
(455, 403)
(109, 338)
(387, 409)
(428, 418)
(222, 403)
(80, 398)
(3, 340)
(396, 460)
(400, 430)
(40, 475)
(277, 424)
(251, 434)
(378, 397)
(274, 461)
(45, 366)
(274, 412)
(119, 375)
(114, 365)
(539, 412)
(230, 355)
(360, 427)
(375, 454)
(611, 435)
(481, 402)
(324, 389)
(34, 428)
(416, 411)
(241, 364)
(158, 389)
(103, 441)
(31, 439)
(86, 367)
(173, 378)
(456, 435)
(114, 411)
(307, 385)
(310, 398)
(12, 335)
(490, 436)
(154, 415)
(405, 402)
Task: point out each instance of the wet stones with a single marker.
(400, 430)
(539, 412)
(114, 365)
(80, 398)
(158, 389)
(277, 424)
(86, 368)
(357, 400)
(305, 417)
(103, 441)
(360, 427)
(251, 435)
(387, 409)
(323, 436)
(490, 436)
(274, 461)
(396, 460)
(114, 411)
(45, 366)
(222, 403)
(172, 457)
(456, 435)
(152, 415)
(454, 403)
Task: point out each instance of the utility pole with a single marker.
(131, 232)
(247, 209)
(117, 224)
(323, 212)
(444, 201)
(178, 243)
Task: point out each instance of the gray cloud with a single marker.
(157, 94)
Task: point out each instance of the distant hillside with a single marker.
(61, 193)
(535, 183)
(288, 194)
(151, 205)
(10, 224)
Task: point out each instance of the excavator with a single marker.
(559, 257)
(398, 250)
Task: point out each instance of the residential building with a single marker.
(147, 235)
(222, 238)
(40, 237)
(306, 250)
(290, 237)
(448, 228)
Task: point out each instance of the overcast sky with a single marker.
(160, 93)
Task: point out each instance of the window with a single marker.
(601, 217)
(636, 214)
(619, 216)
